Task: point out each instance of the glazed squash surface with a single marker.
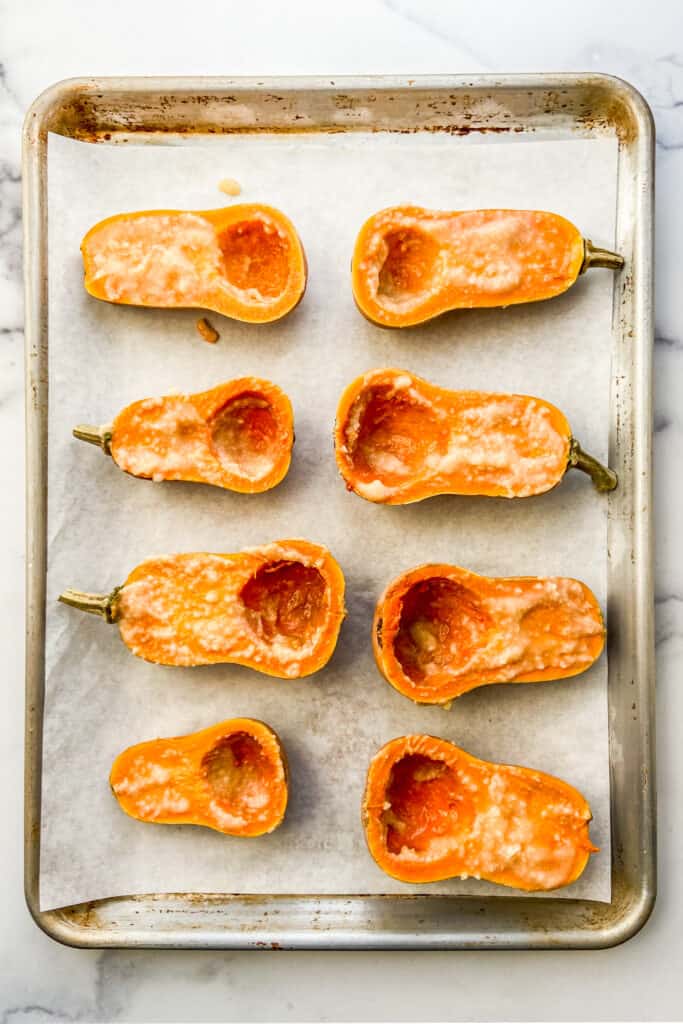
(431, 811)
(411, 264)
(440, 631)
(244, 261)
(231, 777)
(238, 435)
(276, 608)
(400, 439)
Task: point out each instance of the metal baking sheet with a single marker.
(86, 111)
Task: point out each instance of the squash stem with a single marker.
(604, 478)
(97, 604)
(593, 256)
(101, 436)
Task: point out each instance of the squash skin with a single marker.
(537, 839)
(428, 427)
(169, 781)
(411, 264)
(551, 627)
(206, 283)
(145, 441)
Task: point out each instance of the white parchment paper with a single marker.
(100, 699)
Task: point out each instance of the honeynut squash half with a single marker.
(231, 777)
(441, 630)
(244, 261)
(277, 608)
(410, 264)
(431, 811)
(399, 439)
(239, 436)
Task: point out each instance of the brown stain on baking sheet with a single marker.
(130, 116)
(97, 135)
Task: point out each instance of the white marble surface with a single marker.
(41, 43)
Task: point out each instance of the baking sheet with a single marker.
(99, 699)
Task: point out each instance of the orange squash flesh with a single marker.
(276, 608)
(231, 777)
(400, 439)
(411, 264)
(244, 261)
(238, 436)
(440, 631)
(431, 811)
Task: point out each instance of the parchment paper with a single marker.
(100, 699)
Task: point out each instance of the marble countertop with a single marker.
(40, 44)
